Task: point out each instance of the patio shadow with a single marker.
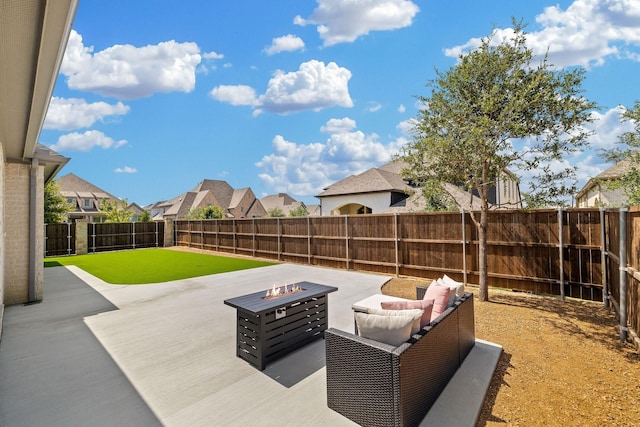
(298, 365)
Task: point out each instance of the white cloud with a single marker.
(402, 108)
(606, 129)
(235, 94)
(374, 107)
(126, 169)
(338, 125)
(286, 43)
(306, 169)
(340, 21)
(313, 87)
(75, 113)
(212, 55)
(407, 126)
(129, 72)
(86, 141)
(585, 34)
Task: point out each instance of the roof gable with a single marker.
(372, 180)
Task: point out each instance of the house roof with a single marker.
(370, 181)
(615, 171)
(73, 186)
(221, 190)
(34, 35)
(280, 200)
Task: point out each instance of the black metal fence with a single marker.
(62, 239)
(128, 235)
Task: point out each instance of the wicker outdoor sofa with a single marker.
(376, 384)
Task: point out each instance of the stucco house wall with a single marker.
(599, 195)
(377, 202)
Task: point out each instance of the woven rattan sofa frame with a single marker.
(375, 384)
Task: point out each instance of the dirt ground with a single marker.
(563, 363)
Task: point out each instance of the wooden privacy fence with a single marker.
(60, 239)
(573, 252)
(622, 267)
(523, 246)
(127, 235)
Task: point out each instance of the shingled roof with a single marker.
(370, 181)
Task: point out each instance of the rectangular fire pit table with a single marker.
(269, 328)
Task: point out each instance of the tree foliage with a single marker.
(207, 212)
(299, 211)
(56, 208)
(276, 212)
(628, 149)
(145, 216)
(466, 130)
(115, 210)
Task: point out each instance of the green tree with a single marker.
(628, 150)
(299, 211)
(145, 217)
(467, 129)
(275, 212)
(56, 208)
(115, 210)
(207, 212)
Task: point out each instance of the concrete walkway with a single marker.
(163, 354)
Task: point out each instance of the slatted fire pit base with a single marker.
(270, 327)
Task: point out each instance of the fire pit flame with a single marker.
(278, 291)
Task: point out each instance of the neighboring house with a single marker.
(240, 203)
(84, 197)
(287, 204)
(383, 190)
(136, 211)
(596, 192)
(34, 36)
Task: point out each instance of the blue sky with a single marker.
(294, 95)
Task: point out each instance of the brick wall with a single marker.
(2, 240)
(16, 228)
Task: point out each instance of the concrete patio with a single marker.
(164, 354)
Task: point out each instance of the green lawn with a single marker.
(152, 265)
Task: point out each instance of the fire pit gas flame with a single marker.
(278, 291)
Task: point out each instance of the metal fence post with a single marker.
(308, 240)
(346, 239)
(464, 247)
(623, 274)
(561, 252)
(603, 258)
(395, 232)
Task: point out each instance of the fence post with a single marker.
(561, 251)
(253, 225)
(308, 240)
(623, 274)
(603, 258)
(395, 231)
(464, 247)
(93, 235)
(133, 234)
(346, 239)
(278, 241)
(235, 245)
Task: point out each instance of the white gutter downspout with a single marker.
(33, 204)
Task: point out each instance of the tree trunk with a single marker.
(483, 292)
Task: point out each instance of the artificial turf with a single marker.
(144, 266)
